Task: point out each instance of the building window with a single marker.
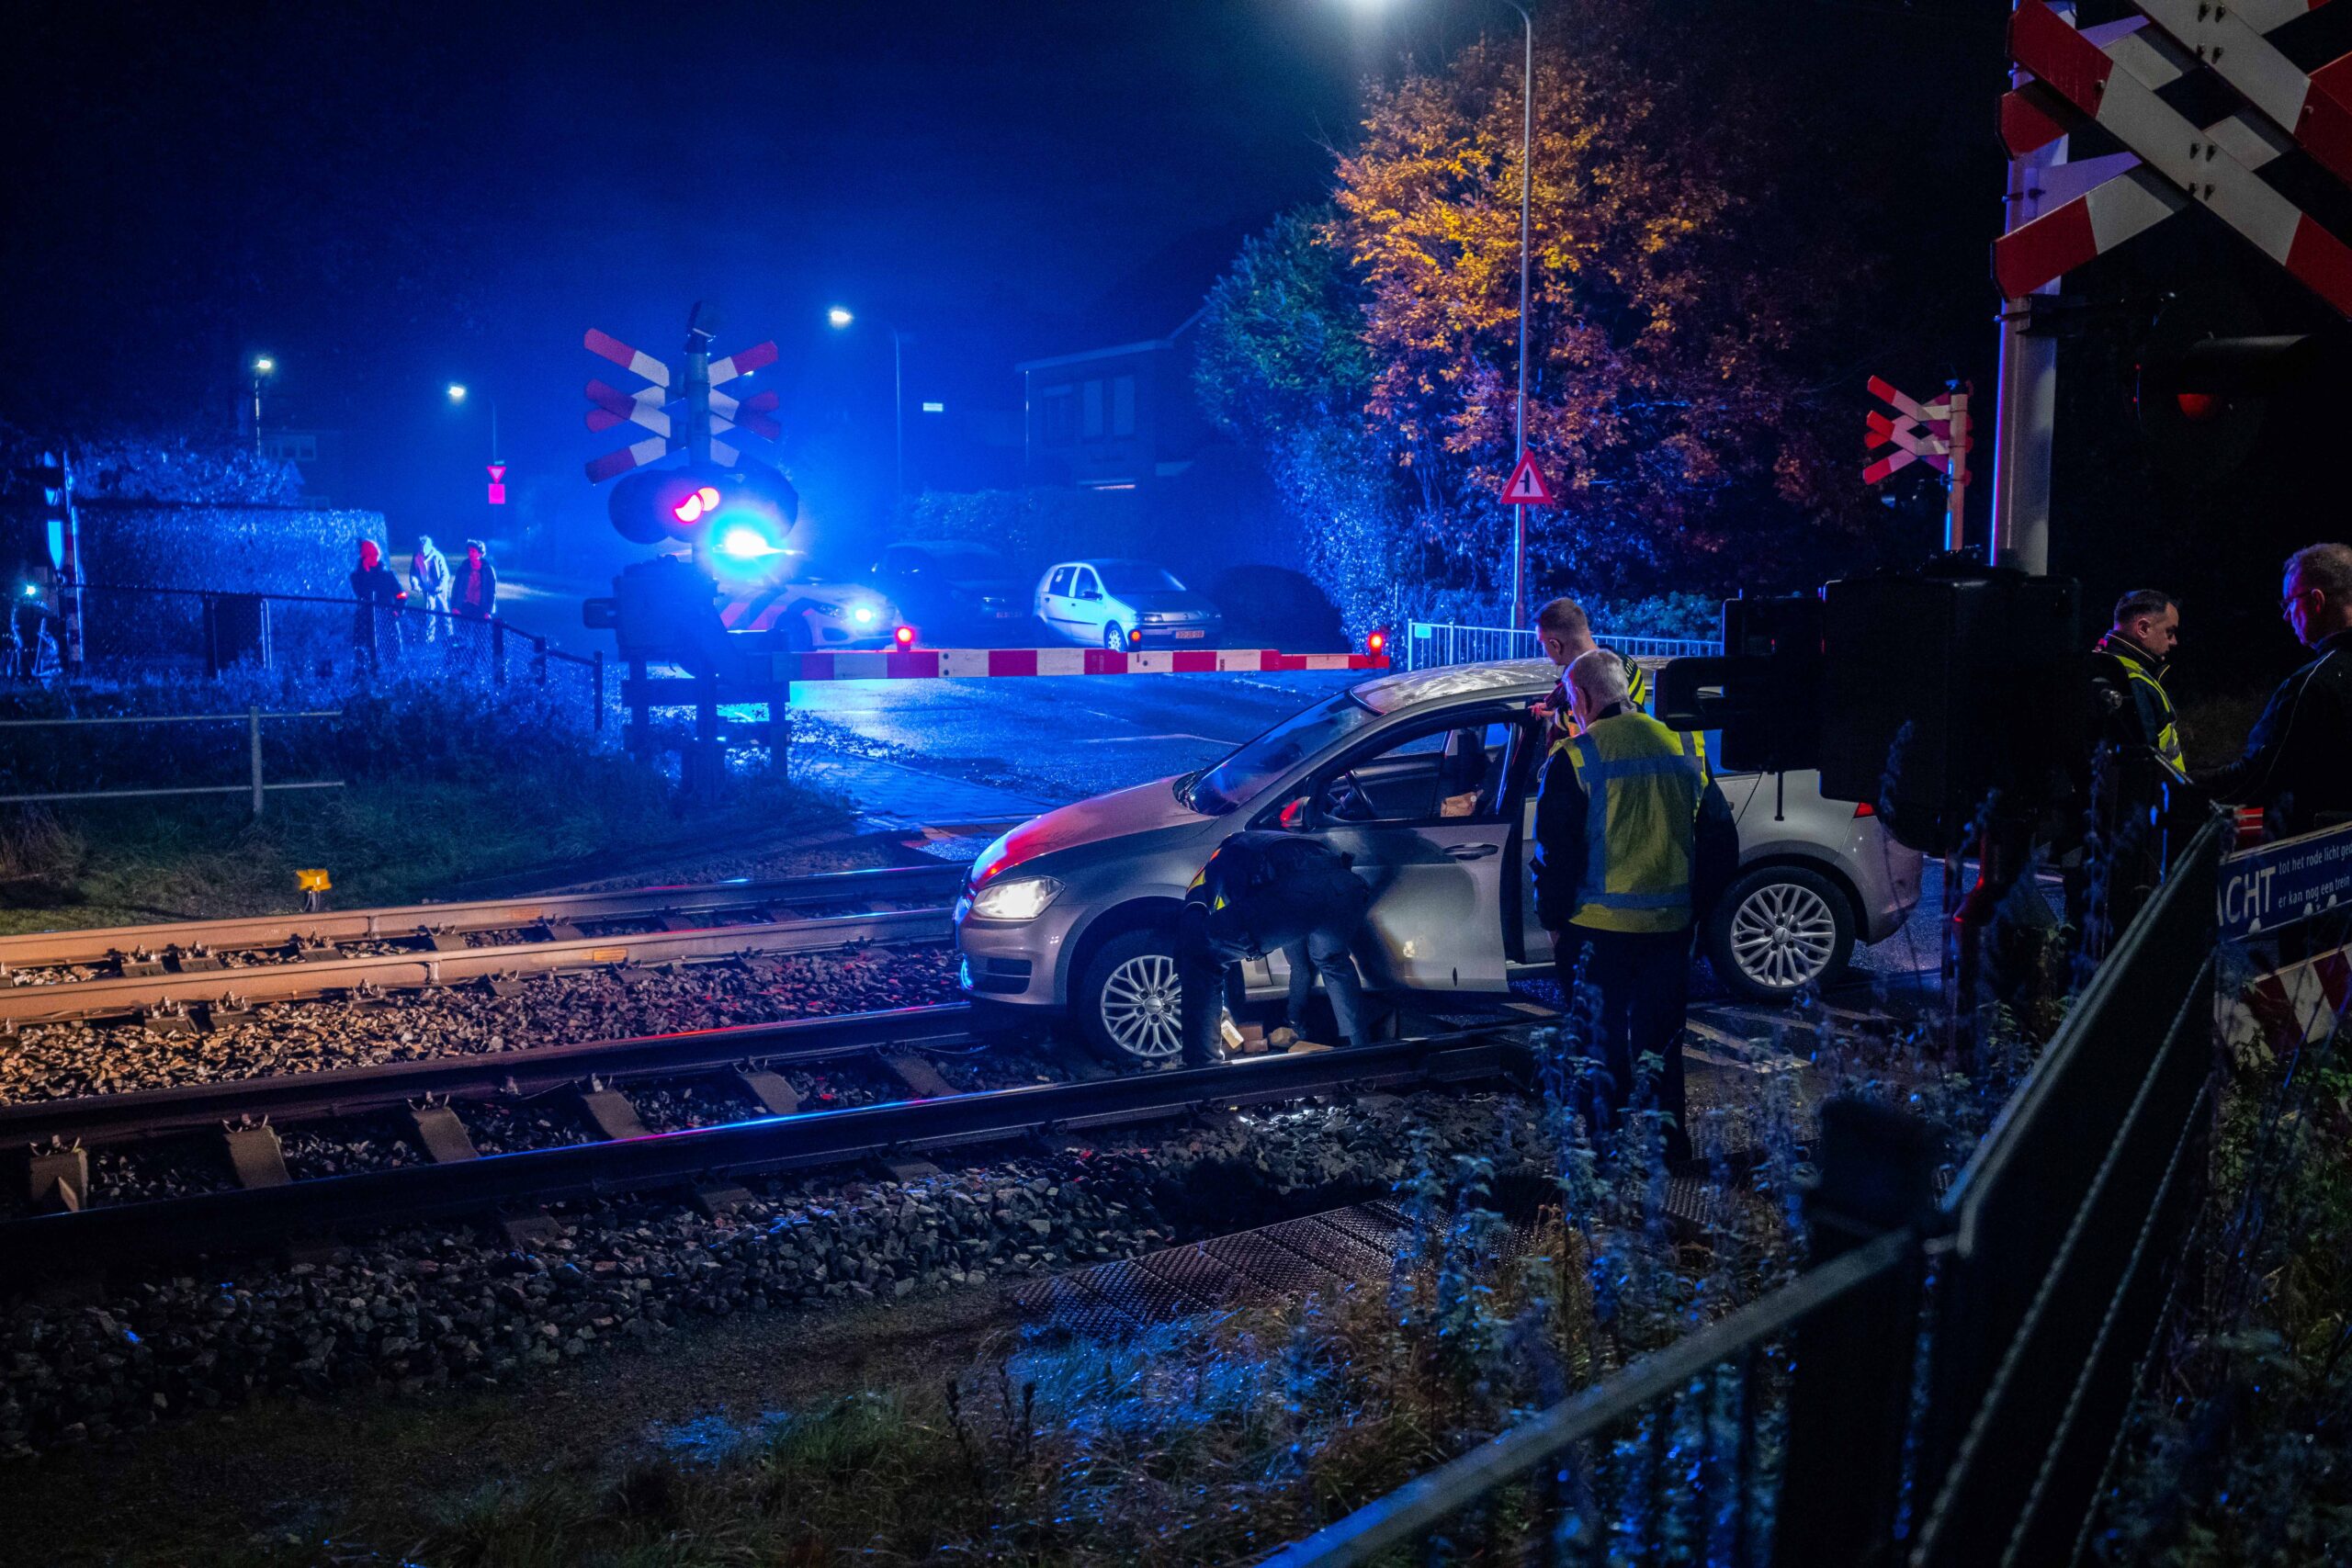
(1122, 406)
(1095, 410)
(1058, 421)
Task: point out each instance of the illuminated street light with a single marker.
(456, 392)
(841, 316)
(263, 365)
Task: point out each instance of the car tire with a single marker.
(1779, 929)
(1127, 1004)
(1113, 637)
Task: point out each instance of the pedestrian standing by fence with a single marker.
(1634, 844)
(32, 605)
(2298, 761)
(476, 597)
(377, 595)
(428, 587)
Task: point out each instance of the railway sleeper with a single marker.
(441, 1135)
(771, 1093)
(608, 1112)
(256, 1156)
(57, 1181)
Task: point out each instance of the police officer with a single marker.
(1634, 844)
(1261, 891)
(2147, 777)
(2128, 669)
(2297, 760)
(1565, 633)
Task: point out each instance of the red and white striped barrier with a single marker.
(966, 663)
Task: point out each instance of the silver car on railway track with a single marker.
(1426, 778)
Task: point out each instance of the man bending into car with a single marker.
(1261, 891)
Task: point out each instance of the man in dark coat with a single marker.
(378, 592)
(476, 595)
(2298, 761)
(1262, 891)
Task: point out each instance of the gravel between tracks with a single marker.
(58, 1060)
(421, 1309)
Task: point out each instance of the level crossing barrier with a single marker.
(256, 784)
(1430, 644)
(1947, 1383)
(166, 632)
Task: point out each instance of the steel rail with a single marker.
(99, 1120)
(97, 945)
(48, 1247)
(405, 971)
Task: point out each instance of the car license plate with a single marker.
(1191, 633)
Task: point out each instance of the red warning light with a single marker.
(1377, 642)
(906, 636)
(2199, 407)
(695, 505)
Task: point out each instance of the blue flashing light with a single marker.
(743, 542)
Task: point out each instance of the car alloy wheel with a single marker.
(1142, 1007)
(1783, 935)
(1113, 637)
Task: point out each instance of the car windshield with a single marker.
(1137, 577)
(1243, 774)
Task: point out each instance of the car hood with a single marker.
(1114, 816)
(1186, 601)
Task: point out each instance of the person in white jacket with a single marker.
(428, 587)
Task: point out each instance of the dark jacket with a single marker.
(376, 589)
(1562, 846)
(473, 592)
(2297, 760)
(1263, 891)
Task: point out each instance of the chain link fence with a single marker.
(161, 636)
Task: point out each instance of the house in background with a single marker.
(1117, 418)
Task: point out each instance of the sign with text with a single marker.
(2276, 884)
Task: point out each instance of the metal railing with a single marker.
(255, 784)
(1429, 644)
(193, 631)
(1945, 1385)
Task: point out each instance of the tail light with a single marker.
(1864, 809)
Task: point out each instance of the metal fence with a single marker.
(256, 784)
(163, 633)
(1429, 644)
(1946, 1386)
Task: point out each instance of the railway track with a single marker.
(227, 965)
(78, 1243)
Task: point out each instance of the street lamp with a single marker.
(1526, 191)
(843, 318)
(458, 394)
(263, 365)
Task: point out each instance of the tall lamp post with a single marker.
(457, 395)
(264, 367)
(841, 319)
(1526, 194)
(1526, 201)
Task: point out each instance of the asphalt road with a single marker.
(1061, 739)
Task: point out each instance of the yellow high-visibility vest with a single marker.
(1642, 784)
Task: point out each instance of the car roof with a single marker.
(1403, 689)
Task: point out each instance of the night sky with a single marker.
(391, 199)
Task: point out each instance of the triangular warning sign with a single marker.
(497, 471)
(1526, 487)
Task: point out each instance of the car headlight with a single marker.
(863, 614)
(1023, 899)
(835, 610)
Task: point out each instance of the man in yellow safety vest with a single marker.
(1634, 844)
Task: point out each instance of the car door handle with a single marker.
(1471, 851)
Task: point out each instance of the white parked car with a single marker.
(1124, 604)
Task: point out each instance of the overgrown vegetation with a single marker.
(446, 782)
(2239, 1451)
